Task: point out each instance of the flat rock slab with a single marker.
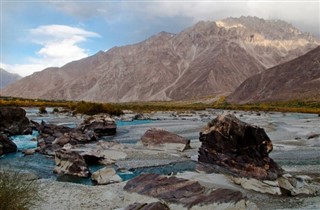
(182, 191)
(147, 206)
(164, 140)
(106, 176)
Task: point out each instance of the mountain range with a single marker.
(206, 59)
(298, 79)
(6, 78)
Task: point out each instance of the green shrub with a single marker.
(16, 193)
(42, 110)
(97, 108)
(55, 110)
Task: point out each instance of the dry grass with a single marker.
(16, 193)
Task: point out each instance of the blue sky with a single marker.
(36, 34)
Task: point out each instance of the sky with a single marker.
(36, 34)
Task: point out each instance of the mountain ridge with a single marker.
(208, 58)
(298, 79)
(7, 78)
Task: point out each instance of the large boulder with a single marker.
(6, 145)
(71, 163)
(186, 192)
(106, 176)
(232, 146)
(162, 139)
(54, 137)
(102, 125)
(14, 121)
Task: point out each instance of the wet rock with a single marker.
(147, 206)
(14, 121)
(106, 176)
(71, 163)
(102, 125)
(235, 147)
(183, 191)
(29, 151)
(6, 145)
(164, 140)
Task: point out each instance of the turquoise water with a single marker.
(134, 122)
(26, 141)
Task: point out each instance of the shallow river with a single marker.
(289, 132)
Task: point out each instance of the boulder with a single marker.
(29, 151)
(6, 145)
(284, 185)
(14, 121)
(54, 137)
(235, 147)
(106, 176)
(71, 163)
(164, 140)
(147, 206)
(102, 125)
(189, 193)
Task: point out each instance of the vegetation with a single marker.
(16, 193)
(115, 108)
(96, 108)
(42, 110)
(285, 106)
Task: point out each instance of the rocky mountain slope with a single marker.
(296, 79)
(6, 78)
(209, 58)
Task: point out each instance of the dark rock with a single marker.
(102, 125)
(178, 190)
(313, 135)
(160, 138)
(147, 206)
(14, 121)
(71, 163)
(239, 148)
(6, 145)
(53, 137)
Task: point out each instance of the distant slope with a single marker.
(298, 79)
(209, 58)
(6, 78)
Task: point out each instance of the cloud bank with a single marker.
(60, 44)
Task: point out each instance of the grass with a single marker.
(16, 193)
(116, 108)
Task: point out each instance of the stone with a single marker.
(71, 163)
(106, 176)
(287, 185)
(54, 137)
(102, 125)
(164, 140)
(147, 206)
(235, 147)
(29, 151)
(271, 187)
(6, 145)
(14, 121)
(189, 193)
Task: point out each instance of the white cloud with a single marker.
(59, 45)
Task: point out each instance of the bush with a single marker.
(55, 110)
(42, 110)
(97, 108)
(16, 193)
